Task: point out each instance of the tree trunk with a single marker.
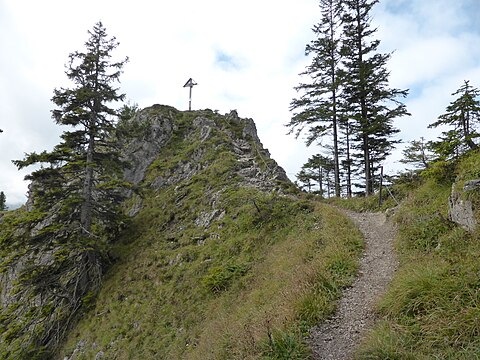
(366, 158)
(349, 165)
(466, 131)
(334, 108)
(86, 212)
(320, 179)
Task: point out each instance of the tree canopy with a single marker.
(462, 120)
(347, 94)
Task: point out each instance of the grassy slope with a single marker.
(225, 298)
(248, 286)
(432, 310)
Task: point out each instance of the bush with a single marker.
(219, 278)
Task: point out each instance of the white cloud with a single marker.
(260, 45)
(436, 48)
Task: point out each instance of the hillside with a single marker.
(432, 309)
(220, 257)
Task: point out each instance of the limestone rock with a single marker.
(141, 151)
(471, 185)
(461, 211)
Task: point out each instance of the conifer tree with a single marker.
(418, 153)
(372, 105)
(305, 177)
(318, 105)
(3, 201)
(83, 174)
(462, 118)
(76, 193)
(318, 169)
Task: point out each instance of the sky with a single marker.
(244, 55)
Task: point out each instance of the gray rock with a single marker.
(471, 185)
(461, 211)
(205, 218)
(151, 130)
(140, 152)
(205, 127)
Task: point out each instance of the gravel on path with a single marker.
(339, 336)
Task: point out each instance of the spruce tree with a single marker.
(372, 105)
(76, 193)
(418, 153)
(318, 169)
(3, 201)
(305, 177)
(317, 107)
(83, 174)
(462, 118)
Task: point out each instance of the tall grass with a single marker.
(432, 309)
(249, 288)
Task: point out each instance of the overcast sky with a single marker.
(245, 55)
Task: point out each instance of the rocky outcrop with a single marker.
(147, 134)
(461, 210)
(163, 149)
(155, 126)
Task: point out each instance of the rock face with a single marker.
(152, 128)
(462, 211)
(158, 124)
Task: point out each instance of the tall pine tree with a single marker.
(317, 108)
(372, 105)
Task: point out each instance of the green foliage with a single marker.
(372, 104)
(82, 177)
(441, 172)
(285, 345)
(318, 169)
(462, 118)
(371, 203)
(76, 196)
(418, 153)
(3, 201)
(205, 255)
(318, 108)
(319, 302)
(220, 278)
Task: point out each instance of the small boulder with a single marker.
(461, 211)
(471, 185)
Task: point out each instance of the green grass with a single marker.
(432, 309)
(250, 290)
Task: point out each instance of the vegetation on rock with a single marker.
(218, 243)
(57, 249)
(217, 263)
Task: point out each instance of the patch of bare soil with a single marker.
(339, 337)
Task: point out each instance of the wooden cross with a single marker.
(190, 83)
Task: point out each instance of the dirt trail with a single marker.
(339, 337)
